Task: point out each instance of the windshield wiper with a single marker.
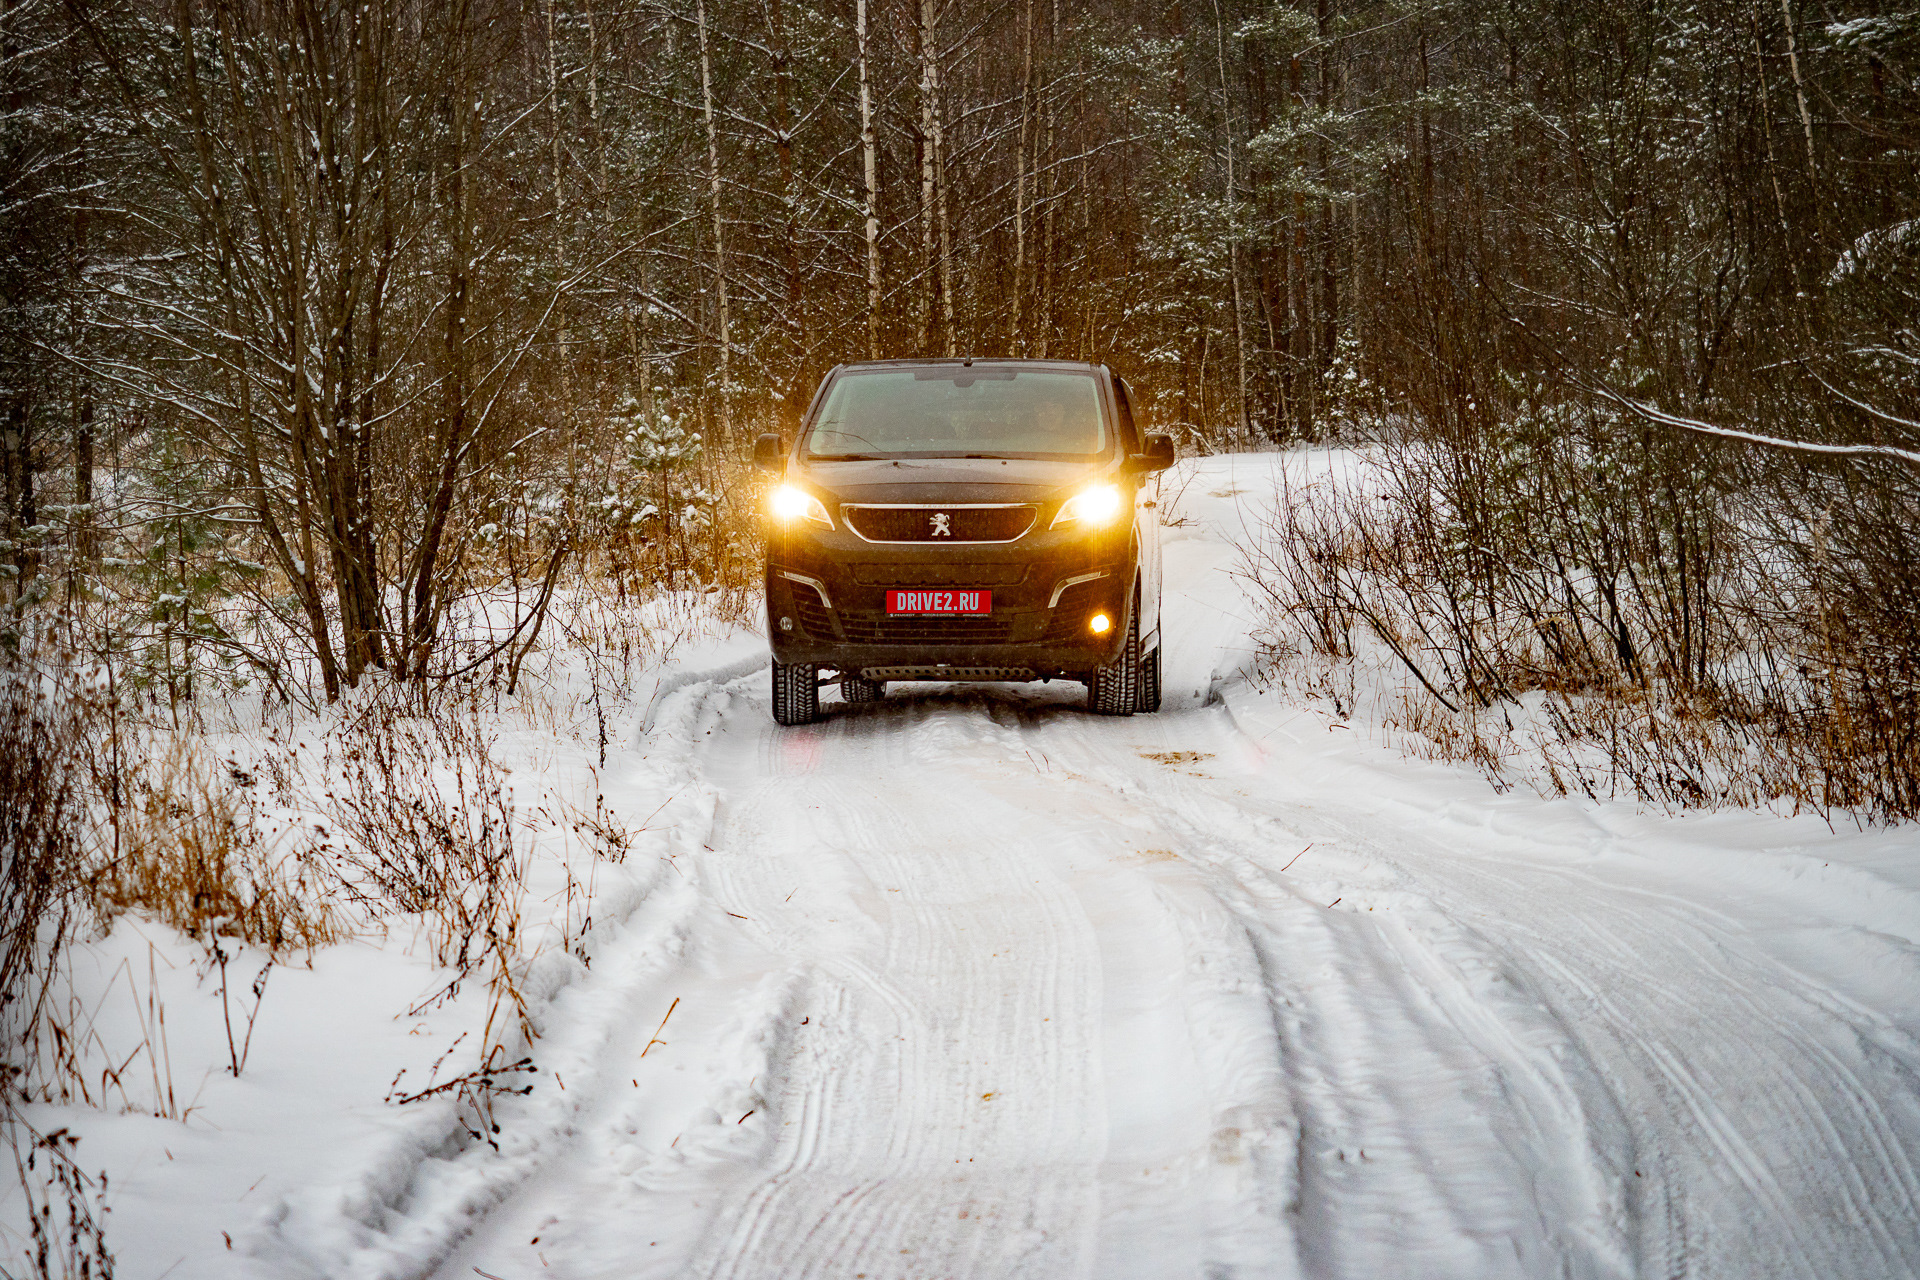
(844, 457)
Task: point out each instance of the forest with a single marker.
(324, 319)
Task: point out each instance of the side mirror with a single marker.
(767, 454)
(1159, 454)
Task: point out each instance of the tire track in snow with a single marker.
(1019, 895)
(1774, 1139)
(1441, 1128)
(961, 1055)
(1211, 1121)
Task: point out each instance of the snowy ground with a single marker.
(970, 983)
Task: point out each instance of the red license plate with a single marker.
(939, 602)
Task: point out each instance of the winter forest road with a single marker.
(972, 984)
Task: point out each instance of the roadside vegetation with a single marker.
(1552, 626)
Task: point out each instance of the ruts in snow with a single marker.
(979, 985)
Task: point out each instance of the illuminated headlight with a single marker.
(1093, 508)
(790, 503)
(1099, 624)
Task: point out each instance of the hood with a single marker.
(922, 480)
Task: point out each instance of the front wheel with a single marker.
(796, 692)
(1149, 699)
(1115, 688)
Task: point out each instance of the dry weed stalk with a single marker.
(474, 1092)
(431, 833)
(49, 716)
(66, 1209)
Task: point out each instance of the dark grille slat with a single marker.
(939, 575)
(879, 628)
(963, 524)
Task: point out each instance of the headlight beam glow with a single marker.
(1092, 508)
(793, 503)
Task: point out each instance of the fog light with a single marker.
(1100, 624)
(786, 624)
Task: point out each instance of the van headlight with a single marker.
(1091, 508)
(791, 503)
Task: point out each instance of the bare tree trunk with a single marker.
(1299, 357)
(931, 52)
(17, 438)
(946, 236)
(1021, 175)
(792, 320)
(869, 166)
(929, 162)
(1043, 317)
(293, 550)
(86, 541)
(458, 381)
(1233, 218)
(1779, 194)
(563, 338)
(1806, 118)
(719, 227)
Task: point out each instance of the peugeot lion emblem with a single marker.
(942, 525)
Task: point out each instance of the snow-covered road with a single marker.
(972, 984)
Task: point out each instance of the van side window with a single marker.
(1130, 431)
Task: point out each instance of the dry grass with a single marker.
(428, 819)
(391, 815)
(193, 854)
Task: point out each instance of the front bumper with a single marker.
(830, 610)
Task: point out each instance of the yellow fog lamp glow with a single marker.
(1099, 624)
(790, 503)
(1094, 507)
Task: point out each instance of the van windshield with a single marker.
(960, 411)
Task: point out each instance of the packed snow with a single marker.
(971, 983)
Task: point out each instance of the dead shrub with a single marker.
(1656, 634)
(430, 824)
(46, 712)
(430, 828)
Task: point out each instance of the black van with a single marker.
(965, 520)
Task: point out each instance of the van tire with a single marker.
(854, 689)
(1114, 688)
(1149, 699)
(796, 692)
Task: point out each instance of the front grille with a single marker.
(923, 524)
(939, 575)
(810, 611)
(1069, 618)
(879, 628)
